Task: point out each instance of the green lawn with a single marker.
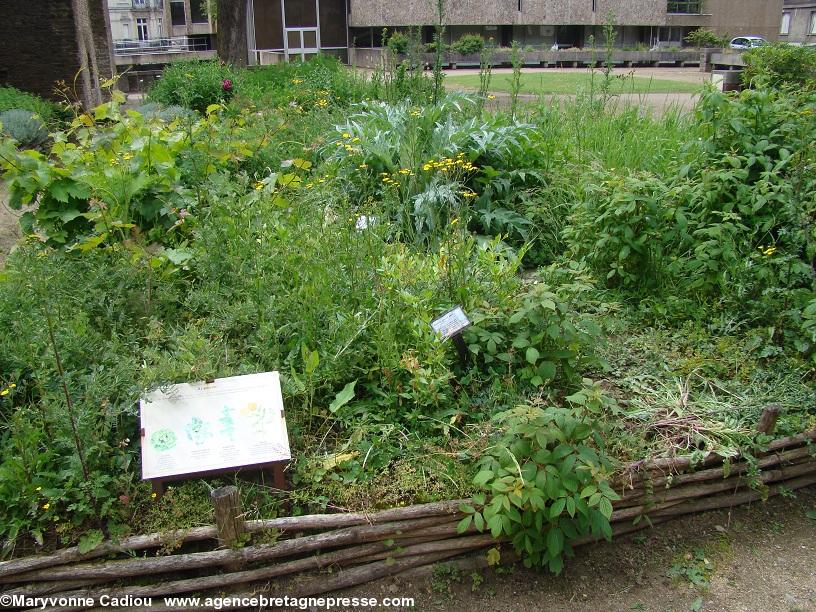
(572, 83)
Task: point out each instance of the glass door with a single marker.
(301, 28)
(301, 42)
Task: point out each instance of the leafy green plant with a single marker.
(781, 65)
(397, 43)
(704, 37)
(694, 567)
(11, 98)
(624, 226)
(516, 61)
(145, 180)
(544, 484)
(469, 44)
(23, 126)
(194, 84)
(537, 341)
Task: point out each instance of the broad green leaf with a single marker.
(343, 397)
(532, 355)
(178, 256)
(546, 369)
(90, 540)
(557, 508)
(482, 477)
(605, 507)
(495, 525)
(464, 524)
(555, 541)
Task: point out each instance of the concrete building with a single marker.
(148, 34)
(136, 20)
(280, 29)
(798, 23)
(570, 23)
(286, 29)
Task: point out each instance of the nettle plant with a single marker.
(536, 342)
(543, 484)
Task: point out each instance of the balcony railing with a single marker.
(685, 7)
(146, 4)
(178, 44)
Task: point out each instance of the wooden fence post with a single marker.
(228, 520)
(767, 422)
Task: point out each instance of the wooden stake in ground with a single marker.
(229, 520)
(767, 423)
(228, 517)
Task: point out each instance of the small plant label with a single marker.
(223, 424)
(451, 323)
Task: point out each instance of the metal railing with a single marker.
(177, 44)
(146, 4)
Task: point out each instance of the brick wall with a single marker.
(39, 44)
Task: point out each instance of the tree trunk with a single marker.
(232, 32)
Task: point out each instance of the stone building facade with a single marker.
(56, 40)
(798, 24)
(571, 22)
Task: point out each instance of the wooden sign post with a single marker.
(208, 428)
(450, 325)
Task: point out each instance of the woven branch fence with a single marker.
(361, 547)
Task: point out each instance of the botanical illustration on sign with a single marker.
(163, 439)
(198, 431)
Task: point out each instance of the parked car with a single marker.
(747, 42)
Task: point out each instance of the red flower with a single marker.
(226, 85)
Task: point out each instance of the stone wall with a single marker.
(40, 46)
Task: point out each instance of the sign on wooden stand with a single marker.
(450, 325)
(199, 429)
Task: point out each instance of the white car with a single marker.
(747, 42)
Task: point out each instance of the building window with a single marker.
(177, 17)
(159, 28)
(198, 11)
(784, 29)
(686, 7)
(139, 3)
(812, 30)
(141, 29)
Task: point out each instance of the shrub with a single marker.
(623, 227)
(11, 98)
(398, 43)
(536, 341)
(544, 484)
(23, 126)
(167, 114)
(781, 65)
(703, 37)
(469, 44)
(195, 84)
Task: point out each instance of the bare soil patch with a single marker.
(9, 225)
(760, 557)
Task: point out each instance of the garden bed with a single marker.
(641, 291)
(361, 547)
